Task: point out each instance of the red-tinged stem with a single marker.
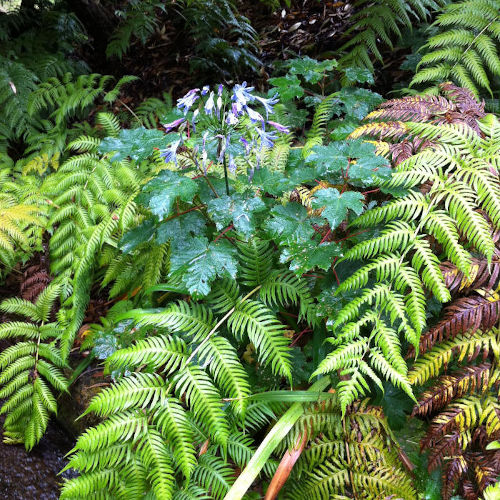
(364, 193)
(335, 274)
(297, 338)
(198, 207)
(228, 228)
(326, 236)
(288, 314)
(350, 236)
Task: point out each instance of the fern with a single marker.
(29, 368)
(380, 22)
(349, 456)
(185, 387)
(465, 409)
(404, 263)
(466, 49)
(92, 206)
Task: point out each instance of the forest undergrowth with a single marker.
(253, 250)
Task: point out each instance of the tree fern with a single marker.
(466, 49)
(29, 368)
(92, 206)
(405, 262)
(152, 421)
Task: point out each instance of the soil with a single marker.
(34, 475)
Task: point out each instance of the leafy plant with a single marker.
(464, 404)
(154, 422)
(350, 456)
(454, 169)
(30, 368)
(466, 48)
(381, 21)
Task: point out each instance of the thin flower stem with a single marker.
(225, 175)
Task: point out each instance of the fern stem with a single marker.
(219, 323)
(273, 439)
(131, 111)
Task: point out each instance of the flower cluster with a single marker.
(225, 116)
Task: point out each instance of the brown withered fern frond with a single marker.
(35, 279)
(465, 314)
(480, 276)
(386, 123)
(465, 409)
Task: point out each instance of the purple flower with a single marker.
(170, 153)
(246, 144)
(279, 127)
(170, 126)
(205, 90)
(253, 115)
(268, 103)
(242, 94)
(204, 159)
(219, 90)
(209, 105)
(266, 138)
(224, 145)
(193, 121)
(185, 103)
(237, 108)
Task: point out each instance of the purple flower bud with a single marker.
(205, 90)
(231, 118)
(170, 126)
(246, 144)
(279, 127)
(209, 105)
(204, 160)
(232, 164)
(219, 90)
(237, 108)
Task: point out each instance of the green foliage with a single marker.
(225, 42)
(380, 22)
(466, 48)
(349, 456)
(403, 262)
(29, 368)
(171, 400)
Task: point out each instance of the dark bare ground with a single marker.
(34, 475)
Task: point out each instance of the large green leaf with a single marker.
(306, 256)
(136, 143)
(239, 210)
(336, 205)
(198, 263)
(291, 222)
(160, 193)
